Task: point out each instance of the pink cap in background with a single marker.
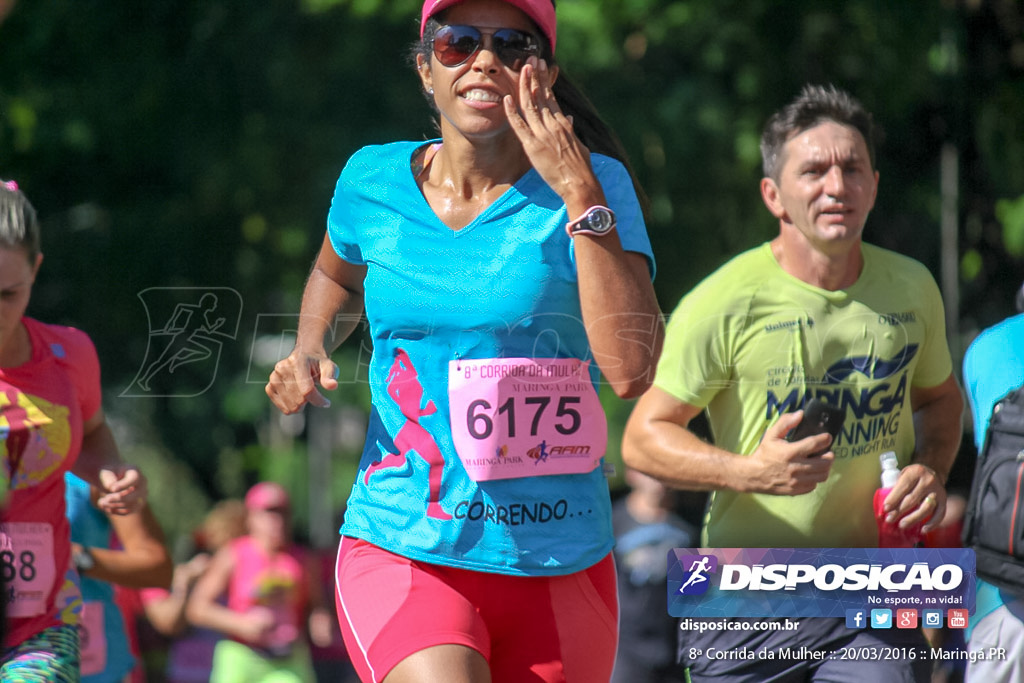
(266, 495)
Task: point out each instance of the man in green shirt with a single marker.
(815, 313)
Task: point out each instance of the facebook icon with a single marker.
(856, 618)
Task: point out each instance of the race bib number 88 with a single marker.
(521, 417)
(27, 565)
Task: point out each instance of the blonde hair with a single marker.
(19, 227)
(223, 523)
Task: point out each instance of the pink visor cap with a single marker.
(266, 495)
(541, 11)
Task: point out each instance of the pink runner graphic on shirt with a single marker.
(405, 389)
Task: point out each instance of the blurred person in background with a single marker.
(994, 367)
(53, 422)
(646, 529)
(171, 649)
(271, 596)
(127, 550)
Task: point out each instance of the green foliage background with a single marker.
(196, 144)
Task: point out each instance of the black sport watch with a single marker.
(83, 559)
(597, 221)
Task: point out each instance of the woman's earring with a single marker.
(430, 91)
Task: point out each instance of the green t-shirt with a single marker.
(752, 341)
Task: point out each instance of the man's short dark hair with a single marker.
(814, 105)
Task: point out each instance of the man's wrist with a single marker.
(940, 476)
(735, 474)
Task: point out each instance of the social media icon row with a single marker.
(904, 618)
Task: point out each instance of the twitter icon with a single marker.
(881, 618)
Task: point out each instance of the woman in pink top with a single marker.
(271, 589)
(51, 422)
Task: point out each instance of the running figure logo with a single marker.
(405, 389)
(697, 567)
(540, 453)
(187, 327)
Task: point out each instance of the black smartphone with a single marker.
(819, 418)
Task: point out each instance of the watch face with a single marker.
(599, 220)
(84, 561)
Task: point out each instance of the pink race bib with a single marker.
(94, 638)
(26, 559)
(522, 417)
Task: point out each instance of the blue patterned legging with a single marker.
(50, 656)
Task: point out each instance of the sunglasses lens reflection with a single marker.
(514, 47)
(454, 45)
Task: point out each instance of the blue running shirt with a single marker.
(105, 653)
(502, 287)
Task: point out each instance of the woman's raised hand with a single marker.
(546, 133)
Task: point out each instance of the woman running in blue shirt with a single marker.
(504, 270)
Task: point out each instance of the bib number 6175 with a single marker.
(480, 424)
(525, 417)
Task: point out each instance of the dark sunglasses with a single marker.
(454, 45)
